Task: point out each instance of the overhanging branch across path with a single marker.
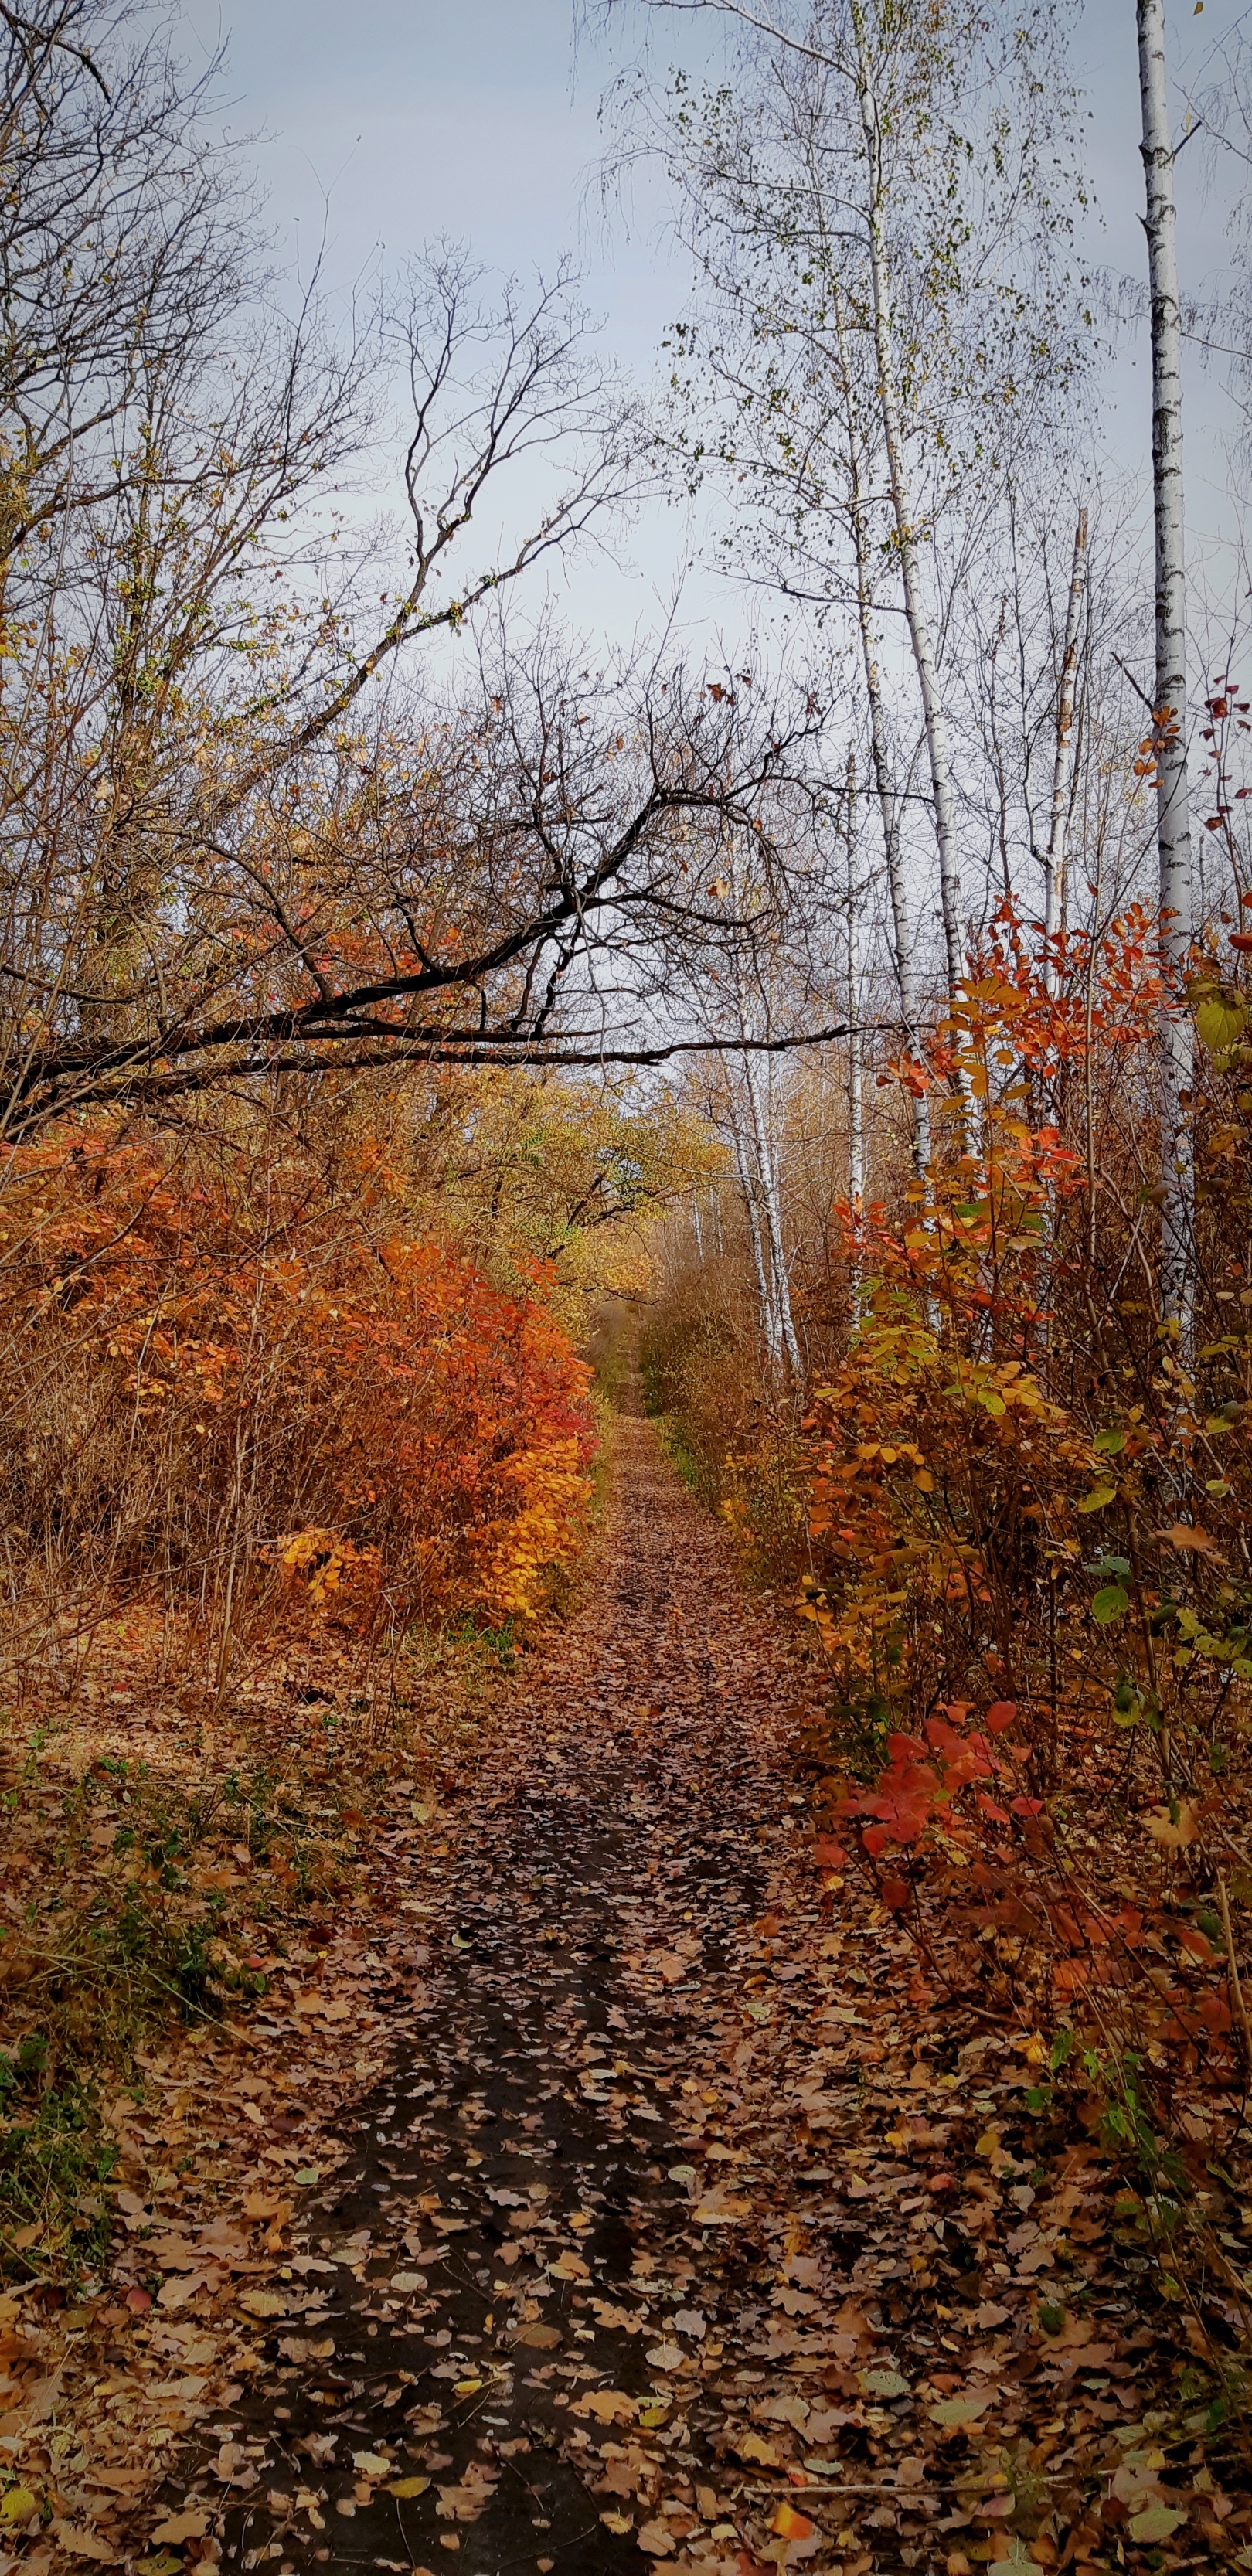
(133, 1085)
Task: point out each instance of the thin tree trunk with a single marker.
(1063, 759)
(884, 785)
(933, 712)
(856, 1082)
(769, 1321)
(1173, 832)
(767, 1166)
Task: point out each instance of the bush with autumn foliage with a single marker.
(1020, 1526)
(238, 1377)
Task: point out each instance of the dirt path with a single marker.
(689, 2232)
(509, 2274)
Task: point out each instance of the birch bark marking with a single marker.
(1173, 832)
(888, 802)
(856, 1089)
(933, 714)
(1063, 762)
(770, 1331)
(761, 1105)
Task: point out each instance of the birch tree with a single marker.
(1054, 863)
(1173, 826)
(881, 320)
(934, 712)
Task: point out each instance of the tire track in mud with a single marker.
(514, 2320)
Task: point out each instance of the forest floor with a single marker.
(611, 2192)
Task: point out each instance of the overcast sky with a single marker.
(392, 121)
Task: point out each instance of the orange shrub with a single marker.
(258, 1379)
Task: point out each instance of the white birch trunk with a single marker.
(769, 1321)
(1173, 831)
(1063, 758)
(884, 785)
(856, 1078)
(771, 1195)
(933, 712)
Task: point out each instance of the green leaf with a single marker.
(1111, 1603)
(1062, 2047)
(960, 2410)
(1156, 2522)
(883, 2383)
(1108, 1443)
(1219, 1021)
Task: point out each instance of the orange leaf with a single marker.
(790, 2525)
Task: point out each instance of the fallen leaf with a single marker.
(1156, 2522)
(789, 2525)
(608, 2405)
(720, 2209)
(81, 2543)
(754, 2446)
(1172, 1832)
(961, 2410)
(670, 1968)
(182, 2526)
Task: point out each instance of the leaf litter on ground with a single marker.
(625, 2200)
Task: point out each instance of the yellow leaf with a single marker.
(754, 2446)
(18, 2505)
(404, 2487)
